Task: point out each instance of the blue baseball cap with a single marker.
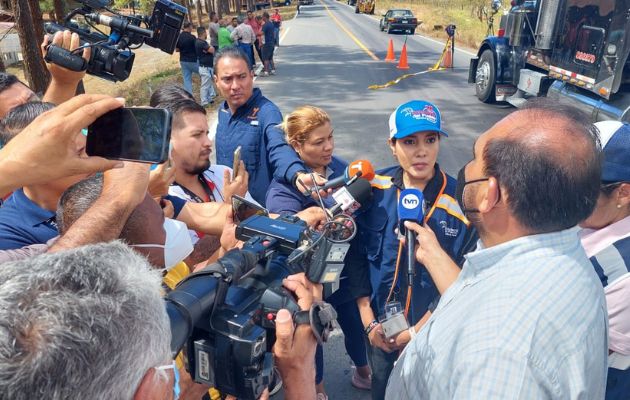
(615, 139)
(414, 116)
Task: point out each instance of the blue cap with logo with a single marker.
(414, 116)
(615, 139)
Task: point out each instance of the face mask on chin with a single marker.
(461, 186)
(177, 246)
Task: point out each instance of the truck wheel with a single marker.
(412, 32)
(389, 29)
(485, 78)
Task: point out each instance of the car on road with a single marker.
(398, 20)
(305, 2)
(352, 2)
(280, 3)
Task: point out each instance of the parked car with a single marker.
(305, 2)
(399, 20)
(352, 2)
(280, 3)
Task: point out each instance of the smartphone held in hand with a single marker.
(135, 134)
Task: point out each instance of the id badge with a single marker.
(395, 321)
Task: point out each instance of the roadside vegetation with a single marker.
(470, 17)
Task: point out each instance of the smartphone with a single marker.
(135, 134)
(244, 209)
(237, 162)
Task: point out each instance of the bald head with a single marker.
(547, 159)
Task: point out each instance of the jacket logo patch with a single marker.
(452, 232)
(254, 114)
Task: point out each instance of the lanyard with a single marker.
(207, 186)
(400, 247)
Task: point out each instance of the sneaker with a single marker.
(273, 72)
(276, 382)
(360, 382)
(263, 73)
(322, 396)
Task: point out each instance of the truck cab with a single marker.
(573, 50)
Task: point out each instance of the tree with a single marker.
(60, 11)
(38, 20)
(198, 10)
(34, 68)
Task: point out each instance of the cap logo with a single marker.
(427, 113)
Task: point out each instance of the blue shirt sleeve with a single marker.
(283, 160)
(281, 198)
(178, 204)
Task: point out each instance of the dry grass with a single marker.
(470, 29)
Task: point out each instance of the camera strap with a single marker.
(321, 317)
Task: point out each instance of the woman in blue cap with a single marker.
(377, 256)
(606, 240)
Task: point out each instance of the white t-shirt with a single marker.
(214, 175)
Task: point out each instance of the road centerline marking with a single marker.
(352, 36)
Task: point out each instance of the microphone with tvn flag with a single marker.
(356, 169)
(410, 208)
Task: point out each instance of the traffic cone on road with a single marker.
(390, 52)
(447, 60)
(402, 64)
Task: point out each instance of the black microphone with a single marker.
(410, 208)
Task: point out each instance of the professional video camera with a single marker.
(112, 56)
(225, 314)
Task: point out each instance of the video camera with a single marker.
(112, 57)
(225, 314)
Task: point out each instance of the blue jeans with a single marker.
(207, 92)
(188, 69)
(249, 51)
(381, 364)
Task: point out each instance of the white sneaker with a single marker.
(273, 72)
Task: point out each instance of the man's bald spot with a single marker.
(568, 139)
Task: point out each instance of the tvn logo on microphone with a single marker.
(410, 201)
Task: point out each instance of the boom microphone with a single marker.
(410, 208)
(361, 168)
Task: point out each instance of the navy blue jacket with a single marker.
(283, 197)
(373, 254)
(23, 223)
(265, 152)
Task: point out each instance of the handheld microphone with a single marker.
(410, 208)
(361, 168)
(350, 198)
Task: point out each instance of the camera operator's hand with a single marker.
(63, 82)
(313, 216)
(429, 252)
(161, 178)
(228, 236)
(235, 185)
(46, 149)
(294, 349)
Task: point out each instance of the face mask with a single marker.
(459, 190)
(176, 388)
(178, 245)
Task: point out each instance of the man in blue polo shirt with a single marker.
(28, 215)
(250, 120)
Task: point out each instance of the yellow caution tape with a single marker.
(436, 67)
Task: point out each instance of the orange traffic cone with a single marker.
(447, 60)
(402, 64)
(390, 52)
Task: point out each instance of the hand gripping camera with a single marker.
(112, 56)
(225, 314)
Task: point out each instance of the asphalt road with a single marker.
(320, 62)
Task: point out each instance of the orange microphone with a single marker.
(356, 169)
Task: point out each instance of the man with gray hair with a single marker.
(88, 323)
